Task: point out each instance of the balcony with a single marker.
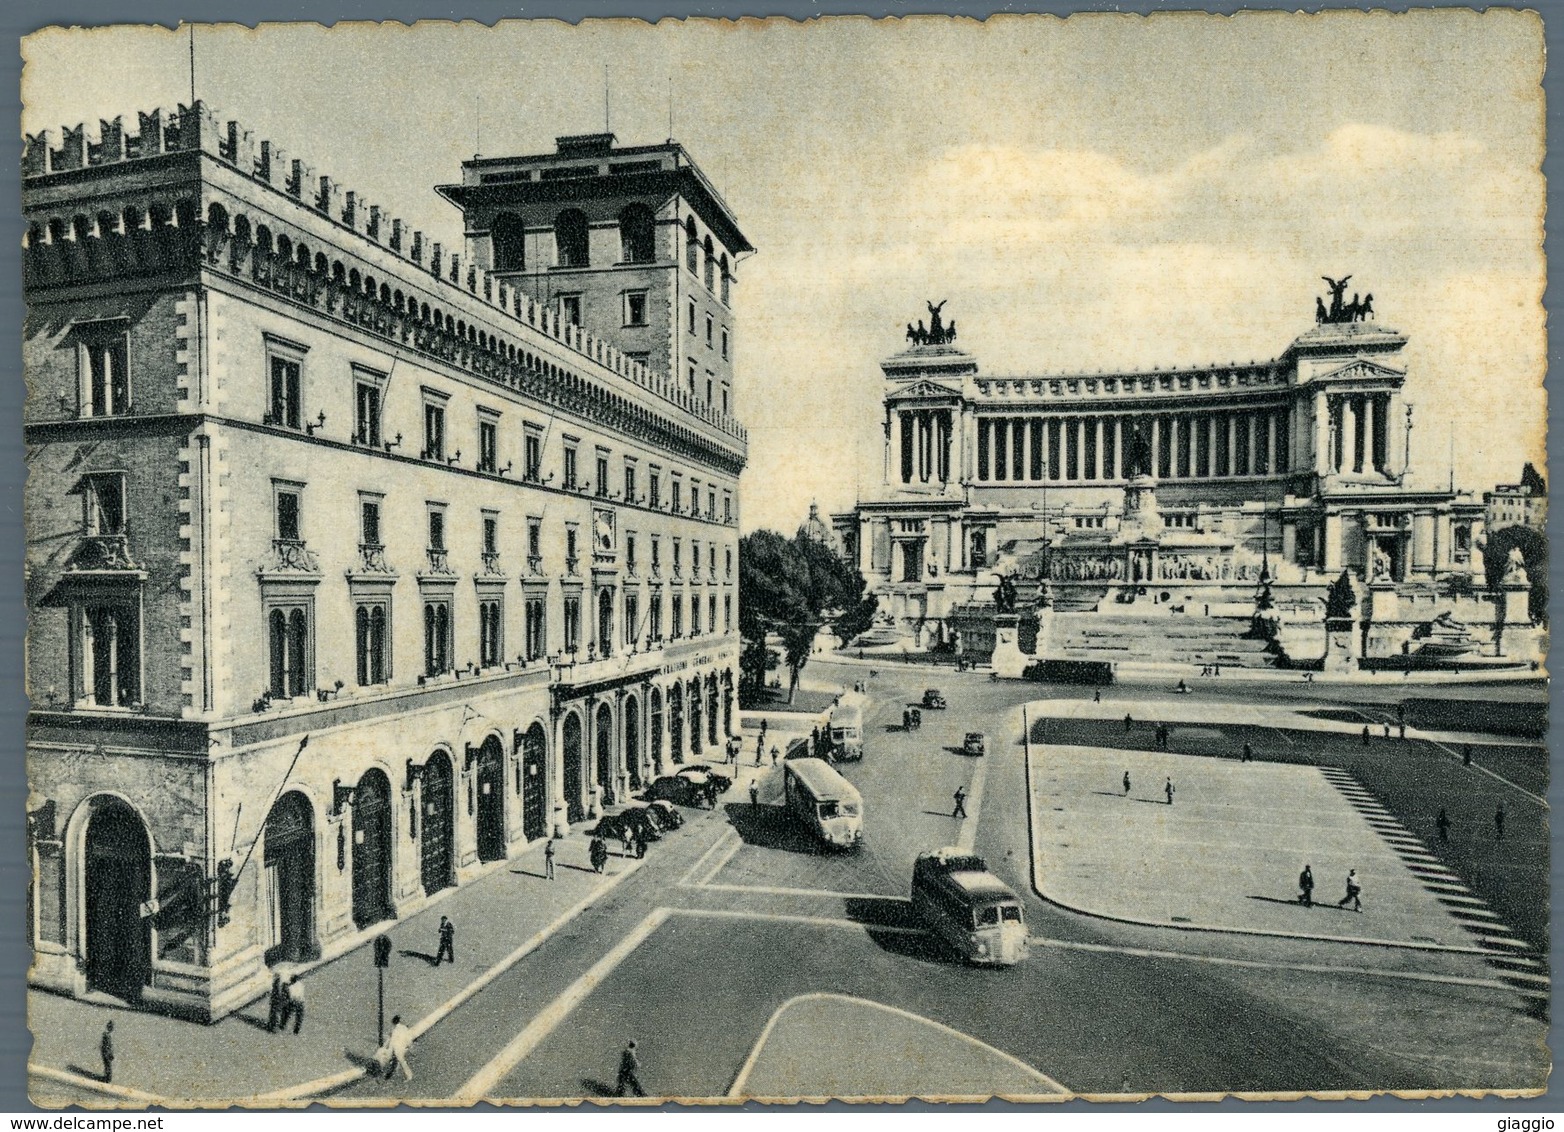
(535, 564)
(491, 564)
(439, 560)
(572, 567)
(372, 558)
(103, 552)
(292, 554)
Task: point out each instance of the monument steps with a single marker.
(1158, 639)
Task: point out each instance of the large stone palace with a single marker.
(1164, 492)
(355, 563)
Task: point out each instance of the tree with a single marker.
(1342, 599)
(1531, 478)
(1534, 551)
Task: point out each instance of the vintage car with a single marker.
(666, 814)
(976, 743)
(678, 789)
(700, 774)
(933, 698)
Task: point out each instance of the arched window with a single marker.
(277, 631)
(132, 218)
(570, 238)
(298, 633)
(161, 216)
(727, 279)
(216, 218)
(81, 227)
(242, 229)
(509, 237)
(711, 265)
(691, 244)
(636, 243)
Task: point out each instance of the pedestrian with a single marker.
(1097, 696)
(711, 794)
(295, 1008)
(1182, 688)
(1167, 788)
(640, 844)
(1127, 722)
(106, 1048)
(1126, 784)
(598, 853)
(548, 860)
(1401, 712)
(626, 840)
(760, 749)
(1498, 822)
(754, 794)
(1248, 753)
(1387, 731)
(397, 1044)
(1354, 891)
(1442, 824)
(1466, 755)
(762, 730)
(447, 942)
(906, 719)
(814, 740)
(1216, 670)
(773, 754)
(274, 1014)
(1365, 735)
(961, 804)
(1306, 887)
(1403, 728)
(629, 1071)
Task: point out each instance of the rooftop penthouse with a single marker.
(430, 302)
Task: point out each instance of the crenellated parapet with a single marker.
(162, 234)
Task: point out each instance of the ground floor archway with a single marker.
(372, 849)
(439, 823)
(288, 865)
(603, 751)
(534, 783)
(118, 874)
(574, 810)
(491, 800)
(633, 741)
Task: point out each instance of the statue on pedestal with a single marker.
(1137, 456)
(1515, 569)
(1005, 595)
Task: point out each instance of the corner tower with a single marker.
(631, 242)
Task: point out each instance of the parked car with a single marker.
(701, 773)
(639, 819)
(674, 788)
(666, 813)
(610, 828)
(976, 743)
(933, 698)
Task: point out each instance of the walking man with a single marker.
(274, 1014)
(640, 843)
(754, 794)
(629, 1071)
(1127, 722)
(1442, 823)
(1403, 728)
(1306, 887)
(1097, 696)
(1365, 735)
(1126, 784)
(1498, 823)
(106, 1048)
(1387, 731)
(598, 852)
(548, 860)
(1248, 753)
(447, 942)
(961, 803)
(760, 747)
(773, 754)
(1167, 788)
(397, 1045)
(295, 1007)
(1354, 891)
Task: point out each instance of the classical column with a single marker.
(1251, 464)
(983, 449)
(1322, 433)
(1349, 435)
(1118, 447)
(556, 779)
(1026, 449)
(1156, 443)
(886, 429)
(1423, 542)
(1332, 548)
(1270, 442)
(1078, 465)
(1211, 464)
(894, 471)
(1100, 435)
(968, 445)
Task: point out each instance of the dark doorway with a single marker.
(695, 718)
(534, 783)
(605, 622)
(290, 880)
(727, 702)
(657, 732)
(574, 811)
(118, 883)
(604, 752)
(491, 800)
(711, 710)
(438, 824)
(676, 723)
(371, 849)
(633, 741)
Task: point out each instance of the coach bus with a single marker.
(826, 803)
(969, 908)
(846, 729)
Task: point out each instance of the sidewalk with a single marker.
(496, 916)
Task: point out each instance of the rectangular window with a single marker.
(434, 431)
(369, 521)
(370, 624)
(678, 496)
(711, 613)
(570, 310)
(488, 445)
(727, 613)
(692, 316)
(657, 546)
(572, 623)
(436, 528)
(103, 361)
(291, 648)
(695, 615)
(724, 343)
(288, 507)
(570, 466)
(600, 481)
(725, 408)
(632, 619)
(676, 557)
(654, 490)
(491, 618)
(534, 453)
(105, 499)
(285, 376)
(537, 627)
(655, 628)
(711, 503)
(491, 534)
(727, 555)
(710, 386)
(366, 415)
(437, 637)
(695, 501)
(635, 308)
(692, 377)
(108, 670)
(727, 509)
(630, 483)
(676, 626)
(535, 538)
(710, 328)
(711, 561)
(630, 553)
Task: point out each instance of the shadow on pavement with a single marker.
(770, 827)
(90, 1074)
(427, 958)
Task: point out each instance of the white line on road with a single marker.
(737, 1090)
(768, 890)
(735, 843)
(789, 918)
(975, 797)
(689, 874)
(482, 1083)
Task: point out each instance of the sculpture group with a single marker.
(937, 334)
(1340, 311)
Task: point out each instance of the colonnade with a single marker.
(1357, 432)
(1183, 445)
(919, 444)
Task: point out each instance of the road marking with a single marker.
(969, 824)
(88, 1084)
(689, 874)
(791, 918)
(732, 851)
(768, 890)
(482, 1084)
(344, 1077)
(1269, 965)
(737, 1089)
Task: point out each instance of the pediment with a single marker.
(1364, 369)
(924, 390)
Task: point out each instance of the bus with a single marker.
(969, 908)
(846, 729)
(825, 802)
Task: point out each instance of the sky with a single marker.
(1098, 192)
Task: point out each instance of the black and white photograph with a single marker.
(752, 560)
